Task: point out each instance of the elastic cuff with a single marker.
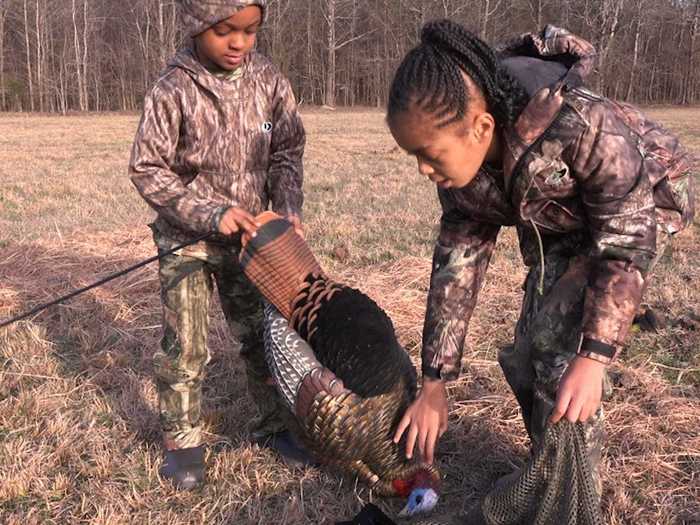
(216, 218)
(285, 211)
(432, 372)
(597, 350)
(596, 357)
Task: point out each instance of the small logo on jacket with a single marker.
(266, 127)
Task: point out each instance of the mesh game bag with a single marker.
(555, 488)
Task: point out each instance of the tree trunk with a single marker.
(635, 56)
(3, 89)
(690, 78)
(352, 70)
(162, 46)
(144, 40)
(330, 66)
(310, 73)
(537, 13)
(39, 58)
(51, 69)
(86, 97)
(566, 13)
(611, 12)
(484, 20)
(29, 57)
(62, 80)
(655, 65)
(78, 68)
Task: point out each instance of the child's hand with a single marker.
(298, 227)
(580, 390)
(237, 219)
(426, 420)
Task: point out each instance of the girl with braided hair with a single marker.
(594, 189)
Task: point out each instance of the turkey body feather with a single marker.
(351, 381)
(337, 363)
(355, 339)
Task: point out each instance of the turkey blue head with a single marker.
(422, 491)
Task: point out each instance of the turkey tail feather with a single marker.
(277, 261)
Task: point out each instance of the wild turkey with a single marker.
(337, 364)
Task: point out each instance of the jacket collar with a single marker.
(186, 59)
(534, 120)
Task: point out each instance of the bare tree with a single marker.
(332, 48)
(334, 44)
(609, 24)
(537, 11)
(3, 85)
(78, 60)
(30, 80)
(99, 54)
(689, 84)
(40, 27)
(635, 52)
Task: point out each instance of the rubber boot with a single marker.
(286, 445)
(184, 467)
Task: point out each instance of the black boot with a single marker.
(286, 445)
(184, 467)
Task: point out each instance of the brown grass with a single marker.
(78, 430)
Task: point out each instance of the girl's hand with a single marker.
(235, 220)
(426, 420)
(298, 227)
(580, 391)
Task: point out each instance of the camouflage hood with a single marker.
(186, 60)
(552, 56)
(200, 15)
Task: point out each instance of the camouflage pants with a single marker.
(547, 337)
(186, 281)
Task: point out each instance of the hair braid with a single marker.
(431, 76)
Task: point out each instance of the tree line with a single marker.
(100, 55)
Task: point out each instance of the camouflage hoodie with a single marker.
(205, 144)
(200, 15)
(575, 164)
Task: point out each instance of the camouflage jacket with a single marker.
(575, 163)
(205, 144)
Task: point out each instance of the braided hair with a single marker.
(431, 77)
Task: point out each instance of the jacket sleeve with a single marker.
(286, 173)
(461, 257)
(152, 156)
(619, 204)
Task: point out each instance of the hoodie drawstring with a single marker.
(540, 288)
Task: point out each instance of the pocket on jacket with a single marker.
(674, 200)
(257, 147)
(557, 218)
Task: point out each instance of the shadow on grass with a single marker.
(102, 343)
(106, 337)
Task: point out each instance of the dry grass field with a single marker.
(79, 440)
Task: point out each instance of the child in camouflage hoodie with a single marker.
(220, 140)
(594, 189)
